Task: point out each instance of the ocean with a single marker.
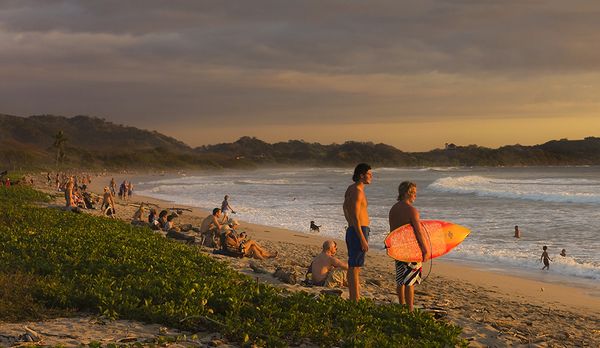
(554, 206)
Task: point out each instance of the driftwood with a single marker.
(181, 236)
(186, 227)
(258, 268)
(287, 275)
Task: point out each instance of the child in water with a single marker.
(545, 258)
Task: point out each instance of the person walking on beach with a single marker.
(113, 187)
(226, 208)
(357, 234)
(108, 203)
(408, 273)
(545, 259)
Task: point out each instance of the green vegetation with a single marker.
(41, 142)
(80, 262)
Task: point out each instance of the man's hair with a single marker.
(361, 169)
(403, 189)
(216, 210)
(327, 244)
(163, 213)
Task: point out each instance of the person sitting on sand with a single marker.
(241, 244)
(327, 270)
(169, 225)
(162, 219)
(210, 227)
(545, 258)
(153, 219)
(563, 253)
(137, 216)
(108, 203)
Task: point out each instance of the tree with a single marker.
(59, 144)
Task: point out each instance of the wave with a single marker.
(523, 260)
(264, 182)
(548, 190)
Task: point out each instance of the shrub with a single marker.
(121, 271)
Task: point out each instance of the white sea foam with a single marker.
(525, 260)
(564, 190)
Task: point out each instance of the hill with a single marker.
(90, 142)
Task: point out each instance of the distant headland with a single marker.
(43, 141)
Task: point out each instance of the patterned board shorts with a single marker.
(408, 273)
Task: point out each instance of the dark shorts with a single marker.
(356, 257)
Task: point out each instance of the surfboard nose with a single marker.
(456, 233)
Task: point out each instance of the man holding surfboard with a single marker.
(402, 213)
(357, 234)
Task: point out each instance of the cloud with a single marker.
(280, 62)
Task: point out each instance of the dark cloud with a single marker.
(384, 36)
(269, 62)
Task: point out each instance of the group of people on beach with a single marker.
(75, 188)
(218, 230)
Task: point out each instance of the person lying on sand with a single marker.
(240, 244)
(327, 270)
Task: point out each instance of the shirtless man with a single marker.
(357, 234)
(210, 226)
(326, 266)
(402, 213)
(70, 202)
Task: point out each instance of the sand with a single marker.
(494, 309)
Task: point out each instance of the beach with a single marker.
(493, 308)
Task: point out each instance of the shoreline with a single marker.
(447, 268)
(493, 309)
(587, 285)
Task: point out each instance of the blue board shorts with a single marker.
(356, 257)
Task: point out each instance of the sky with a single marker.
(412, 74)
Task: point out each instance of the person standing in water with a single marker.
(357, 233)
(408, 273)
(545, 259)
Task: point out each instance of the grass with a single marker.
(80, 262)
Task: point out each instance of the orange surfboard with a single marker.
(401, 244)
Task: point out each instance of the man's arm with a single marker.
(358, 197)
(421, 238)
(335, 262)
